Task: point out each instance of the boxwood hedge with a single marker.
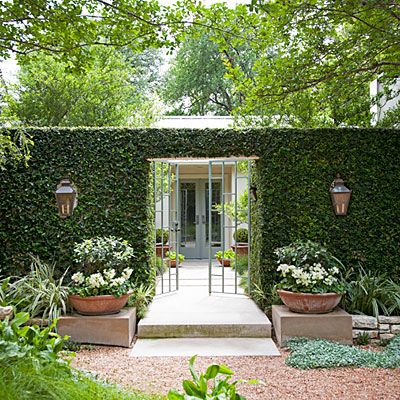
(111, 170)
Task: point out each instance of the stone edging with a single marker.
(381, 328)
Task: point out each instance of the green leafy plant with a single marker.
(242, 209)
(141, 298)
(105, 282)
(172, 256)
(103, 252)
(241, 235)
(229, 254)
(309, 268)
(18, 341)
(320, 353)
(362, 338)
(212, 385)
(241, 264)
(39, 292)
(371, 293)
(162, 236)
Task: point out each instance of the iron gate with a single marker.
(227, 210)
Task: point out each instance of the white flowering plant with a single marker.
(100, 253)
(308, 267)
(103, 282)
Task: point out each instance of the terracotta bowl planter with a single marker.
(98, 305)
(242, 248)
(227, 262)
(309, 303)
(172, 263)
(162, 249)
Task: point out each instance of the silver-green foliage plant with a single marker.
(214, 384)
(101, 253)
(39, 292)
(106, 282)
(320, 353)
(308, 267)
(371, 293)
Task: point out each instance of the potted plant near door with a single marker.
(171, 258)
(104, 286)
(310, 278)
(241, 238)
(227, 257)
(162, 237)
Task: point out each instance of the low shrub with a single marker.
(371, 293)
(103, 252)
(308, 354)
(241, 235)
(241, 265)
(38, 293)
(162, 236)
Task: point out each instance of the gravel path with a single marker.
(159, 374)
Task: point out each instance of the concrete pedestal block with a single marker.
(336, 325)
(114, 330)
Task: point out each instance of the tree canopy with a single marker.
(316, 57)
(196, 83)
(102, 94)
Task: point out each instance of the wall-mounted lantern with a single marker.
(67, 198)
(340, 196)
(253, 190)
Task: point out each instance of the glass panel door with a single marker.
(216, 218)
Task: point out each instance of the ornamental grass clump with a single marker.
(308, 267)
(106, 282)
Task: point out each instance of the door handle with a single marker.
(203, 219)
(197, 220)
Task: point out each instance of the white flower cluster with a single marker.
(309, 275)
(95, 281)
(78, 278)
(98, 280)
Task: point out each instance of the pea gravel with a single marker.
(159, 374)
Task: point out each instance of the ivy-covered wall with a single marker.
(296, 167)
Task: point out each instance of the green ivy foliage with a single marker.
(111, 170)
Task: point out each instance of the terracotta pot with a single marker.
(227, 262)
(98, 305)
(172, 263)
(160, 249)
(310, 303)
(242, 248)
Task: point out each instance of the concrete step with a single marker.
(204, 347)
(192, 313)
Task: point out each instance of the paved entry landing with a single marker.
(190, 321)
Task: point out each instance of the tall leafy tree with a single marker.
(196, 83)
(316, 57)
(104, 93)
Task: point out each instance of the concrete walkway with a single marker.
(190, 321)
